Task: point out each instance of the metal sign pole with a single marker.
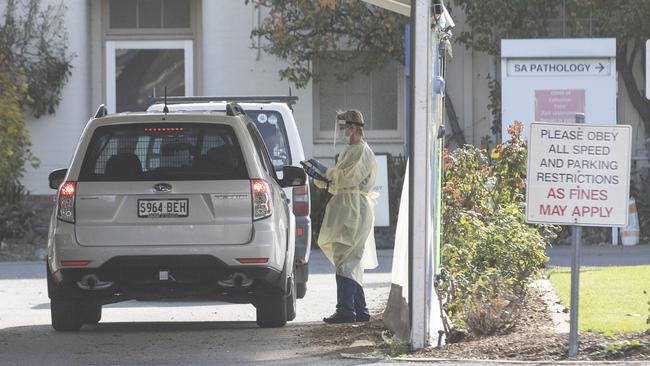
(575, 285)
(575, 277)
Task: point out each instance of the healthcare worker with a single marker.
(346, 235)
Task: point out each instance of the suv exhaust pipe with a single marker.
(236, 279)
(92, 282)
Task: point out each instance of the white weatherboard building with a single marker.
(127, 50)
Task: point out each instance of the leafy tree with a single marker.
(34, 67)
(493, 20)
(34, 44)
(14, 140)
(14, 150)
(626, 20)
(300, 31)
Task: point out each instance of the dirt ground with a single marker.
(531, 339)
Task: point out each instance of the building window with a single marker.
(149, 45)
(139, 70)
(149, 14)
(377, 95)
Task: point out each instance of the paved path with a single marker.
(601, 255)
(172, 332)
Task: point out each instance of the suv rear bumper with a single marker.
(167, 276)
(170, 271)
(64, 247)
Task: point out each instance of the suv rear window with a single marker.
(150, 152)
(271, 127)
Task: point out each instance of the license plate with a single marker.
(163, 208)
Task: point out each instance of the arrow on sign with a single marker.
(600, 67)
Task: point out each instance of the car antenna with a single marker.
(165, 109)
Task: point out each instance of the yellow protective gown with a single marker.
(346, 235)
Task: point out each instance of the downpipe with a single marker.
(92, 282)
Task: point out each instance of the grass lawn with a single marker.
(611, 298)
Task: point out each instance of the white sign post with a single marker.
(578, 175)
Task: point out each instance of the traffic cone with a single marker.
(630, 233)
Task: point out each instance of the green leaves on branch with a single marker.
(14, 139)
(34, 47)
(490, 21)
(489, 253)
(34, 67)
(14, 151)
(330, 31)
(493, 20)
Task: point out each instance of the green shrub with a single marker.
(15, 212)
(489, 253)
(14, 152)
(618, 349)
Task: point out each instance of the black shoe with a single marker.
(363, 318)
(338, 318)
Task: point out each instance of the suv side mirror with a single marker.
(293, 176)
(56, 177)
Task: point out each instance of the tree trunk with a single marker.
(640, 103)
(457, 132)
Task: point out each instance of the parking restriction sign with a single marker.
(578, 174)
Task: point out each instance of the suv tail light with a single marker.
(262, 206)
(66, 201)
(301, 200)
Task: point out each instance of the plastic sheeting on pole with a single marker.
(396, 315)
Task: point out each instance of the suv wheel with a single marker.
(65, 314)
(291, 300)
(91, 313)
(272, 311)
(301, 289)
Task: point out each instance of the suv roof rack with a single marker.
(288, 99)
(101, 111)
(234, 109)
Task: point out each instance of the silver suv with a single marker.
(165, 205)
(273, 116)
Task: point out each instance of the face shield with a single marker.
(339, 132)
(344, 120)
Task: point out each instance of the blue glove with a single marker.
(318, 165)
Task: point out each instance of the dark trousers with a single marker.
(350, 298)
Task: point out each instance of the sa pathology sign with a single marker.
(578, 174)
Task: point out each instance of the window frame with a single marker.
(113, 45)
(374, 135)
(95, 149)
(148, 31)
